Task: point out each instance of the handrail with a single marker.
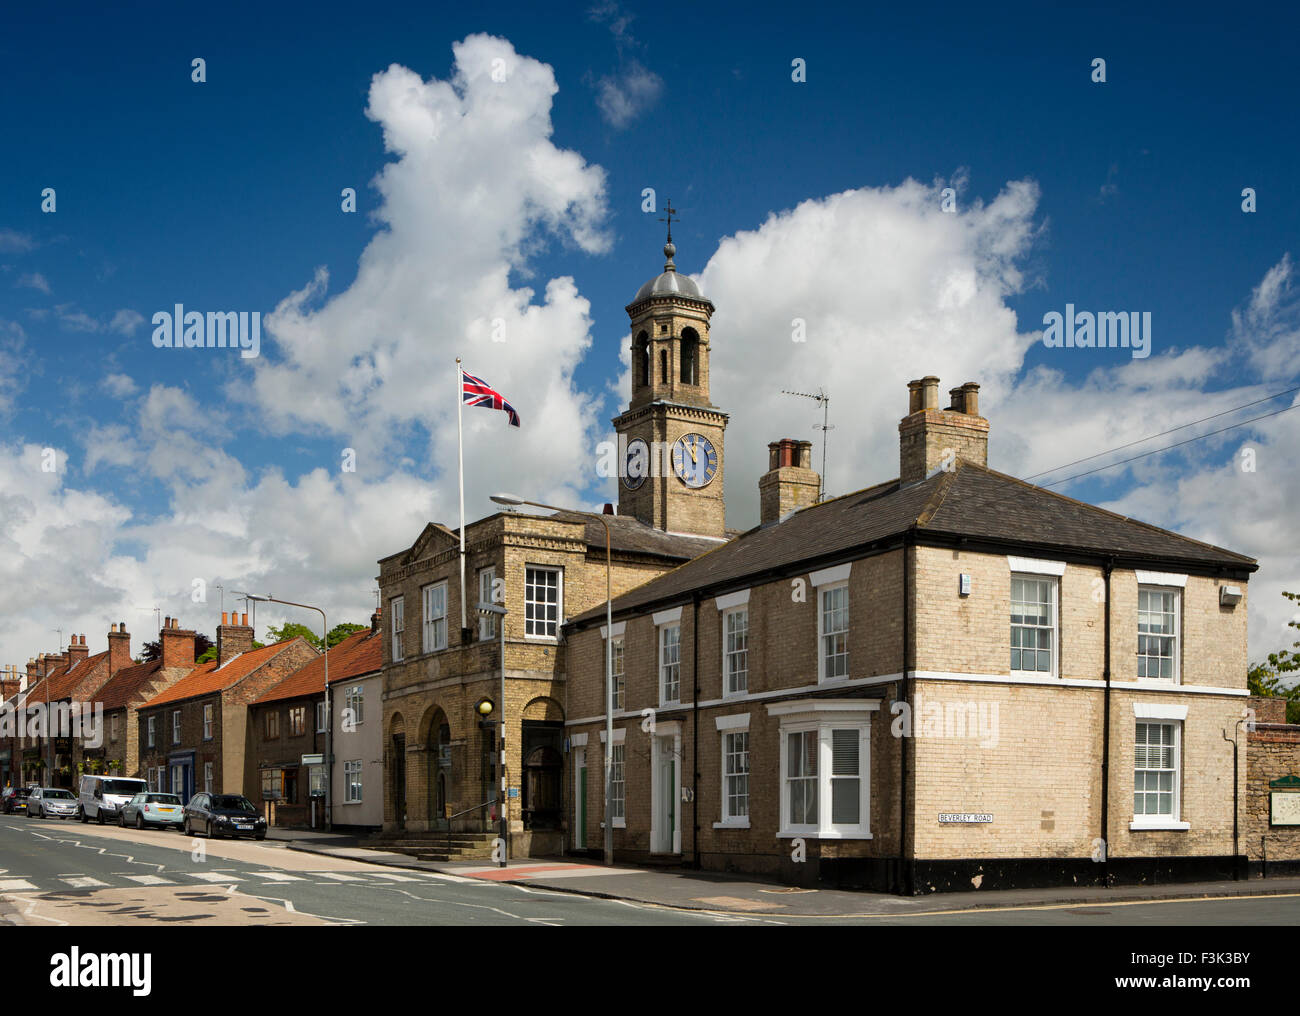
(458, 815)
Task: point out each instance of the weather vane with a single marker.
(671, 212)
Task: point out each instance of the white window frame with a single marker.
(151, 731)
(531, 624)
(620, 741)
(354, 698)
(823, 717)
(207, 777)
(176, 726)
(352, 786)
(1054, 590)
(487, 625)
(113, 727)
(728, 728)
(618, 672)
(1162, 717)
(397, 608)
(433, 635)
(207, 721)
(661, 639)
(823, 634)
(729, 654)
(320, 717)
(1177, 593)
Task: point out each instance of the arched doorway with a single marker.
(397, 767)
(439, 777)
(543, 778)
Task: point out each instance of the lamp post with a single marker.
(329, 718)
(499, 612)
(512, 500)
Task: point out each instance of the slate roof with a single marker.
(360, 653)
(970, 502)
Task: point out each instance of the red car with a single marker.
(15, 799)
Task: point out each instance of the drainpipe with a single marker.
(1236, 751)
(1105, 737)
(695, 727)
(905, 867)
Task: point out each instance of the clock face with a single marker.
(695, 460)
(636, 467)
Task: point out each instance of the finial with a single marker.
(669, 248)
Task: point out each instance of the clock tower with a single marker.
(670, 436)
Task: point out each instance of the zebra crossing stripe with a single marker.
(149, 880)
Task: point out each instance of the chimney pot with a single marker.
(957, 399)
(913, 397)
(225, 617)
(789, 483)
(972, 400)
(609, 508)
(929, 392)
(243, 619)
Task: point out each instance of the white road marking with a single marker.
(14, 884)
(336, 876)
(215, 876)
(149, 880)
(85, 882)
(395, 878)
(276, 876)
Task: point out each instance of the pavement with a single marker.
(716, 892)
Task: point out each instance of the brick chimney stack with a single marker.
(930, 438)
(33, 671)
(375, 618)
(77, 651)
(790, 481)
(177, 645)
(234, 636)
(119, 648)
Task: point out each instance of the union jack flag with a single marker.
(477, 392)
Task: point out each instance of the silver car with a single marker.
(151, 809)
(51, 802)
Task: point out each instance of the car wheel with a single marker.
(99, 815)
(121, 819)
(209, 830)
(261, 836)
(139, 820)
(81, 814)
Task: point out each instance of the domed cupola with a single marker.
(670, 283)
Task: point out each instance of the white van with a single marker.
(101, 797)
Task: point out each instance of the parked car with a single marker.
(101, 797)
(14, 799)
(51, 802)
(223, 815)
(151, 809)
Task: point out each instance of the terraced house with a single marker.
(194, 736)
(952, 679)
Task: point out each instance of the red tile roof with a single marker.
(64, 684)
(206, 678)
(359, 653)
(118, 692)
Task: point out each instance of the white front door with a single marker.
(665, 827)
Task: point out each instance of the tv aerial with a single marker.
(823, 399)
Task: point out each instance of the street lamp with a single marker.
(499, 612)
(329, 719)
(514, 500)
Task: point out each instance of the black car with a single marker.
(223, 815)
(15, 799)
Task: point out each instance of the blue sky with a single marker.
(224, 195)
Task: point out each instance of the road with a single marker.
(63, 873)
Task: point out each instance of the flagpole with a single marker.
(460, 456)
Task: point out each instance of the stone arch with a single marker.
(543, 708)
(440, 777)
(395, 773)
(690, 346)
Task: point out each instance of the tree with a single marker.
(153, 650)
(1266, 678)
(291, 629)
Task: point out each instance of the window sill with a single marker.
(1138, 825)
(732, 823)
(619, 823)
(786, 834)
